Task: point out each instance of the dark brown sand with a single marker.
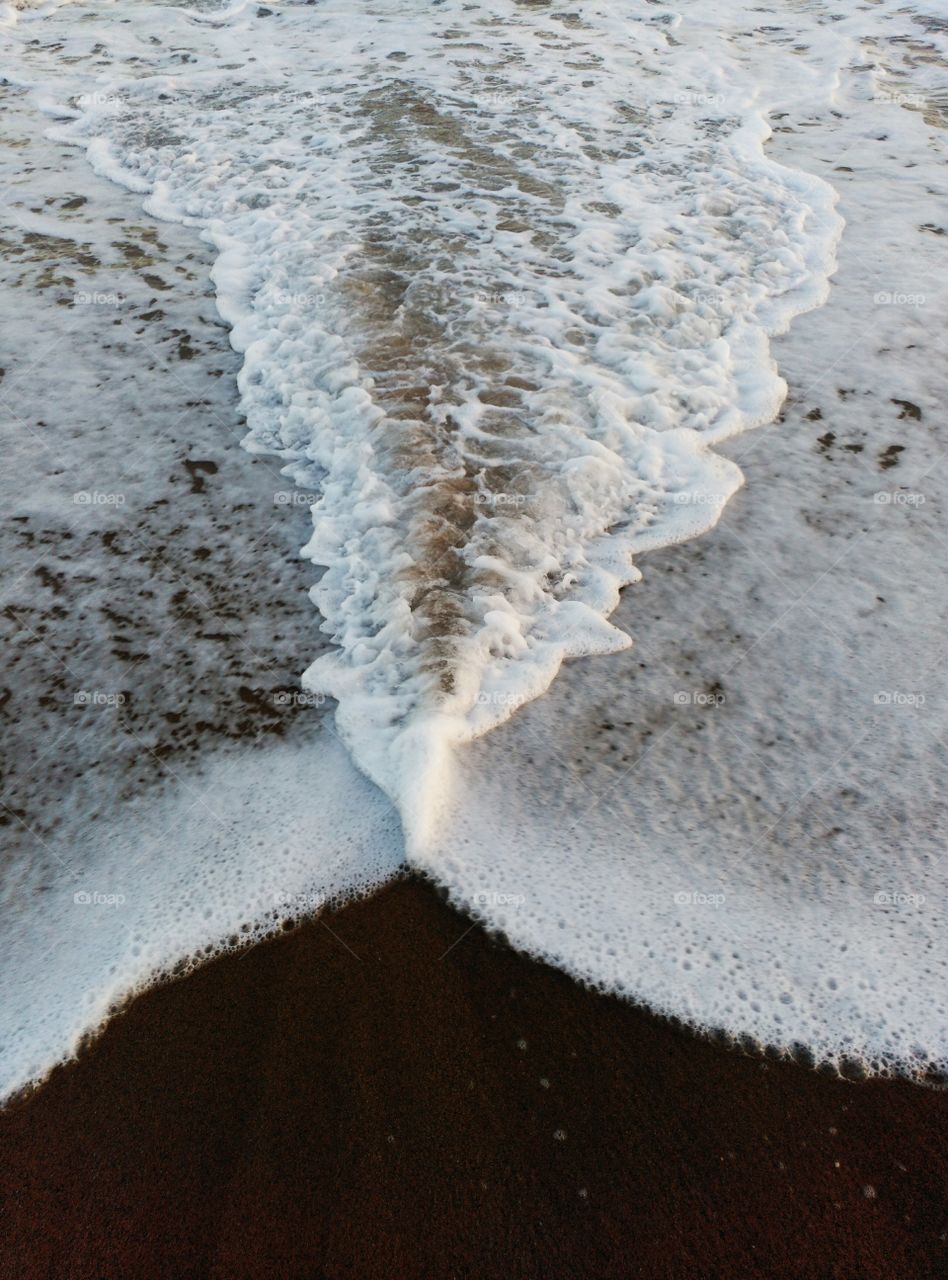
(392, 1094)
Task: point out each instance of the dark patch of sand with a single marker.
(389, 1093)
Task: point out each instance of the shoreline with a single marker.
(390, 1092)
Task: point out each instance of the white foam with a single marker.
(251, 840)
(637, 887)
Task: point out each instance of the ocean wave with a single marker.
(500, 278)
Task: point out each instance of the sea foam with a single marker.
(500, 277)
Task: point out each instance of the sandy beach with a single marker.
(387, 1092)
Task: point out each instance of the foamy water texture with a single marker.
(499, 279)
(502, 275)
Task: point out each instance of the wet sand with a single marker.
(390, 1093)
